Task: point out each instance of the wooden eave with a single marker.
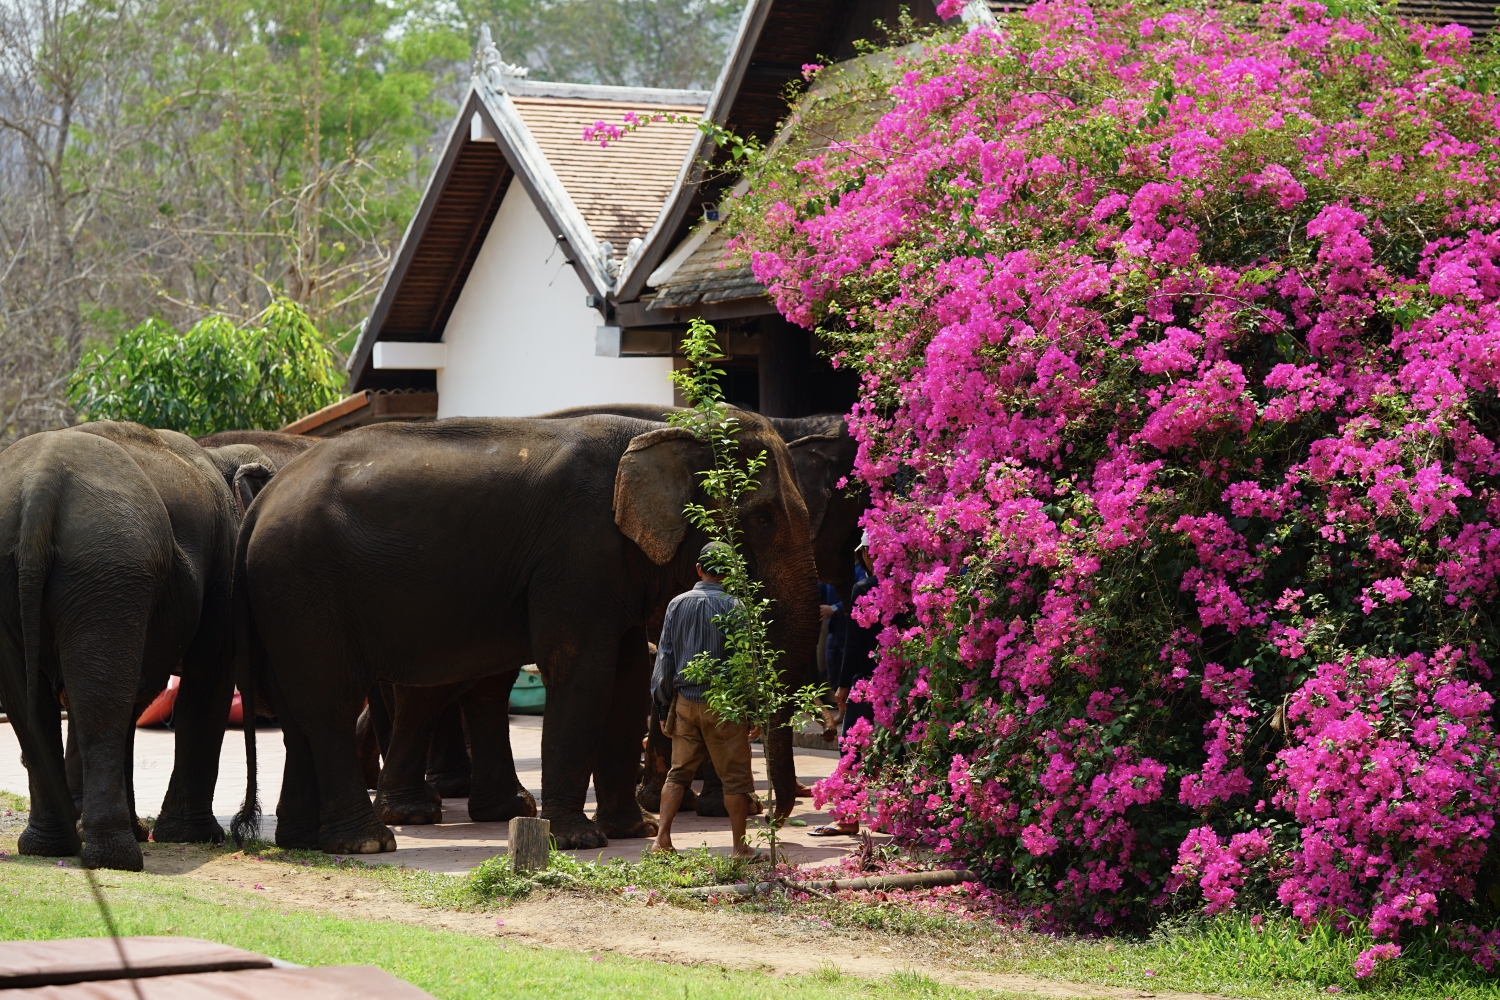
(436, 254)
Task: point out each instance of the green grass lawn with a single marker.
(39, 901)
(1227, 955)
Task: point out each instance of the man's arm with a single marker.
(663, 676)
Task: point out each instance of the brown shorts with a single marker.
(699, 731)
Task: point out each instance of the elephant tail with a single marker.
(34, 555)
(246, 823)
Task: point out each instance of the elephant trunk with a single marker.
(794, 631)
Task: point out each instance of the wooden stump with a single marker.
(530, 842)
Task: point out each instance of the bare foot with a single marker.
(657, 847)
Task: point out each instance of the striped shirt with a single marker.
(688, 630)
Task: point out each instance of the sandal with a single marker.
(832, 830)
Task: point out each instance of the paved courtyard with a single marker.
(456, 844)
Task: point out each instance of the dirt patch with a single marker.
(596, 923)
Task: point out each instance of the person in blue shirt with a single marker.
(856, 664)
(688, 630)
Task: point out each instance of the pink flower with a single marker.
(1365, 964)
(1153, 430)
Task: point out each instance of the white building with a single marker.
(493, 304)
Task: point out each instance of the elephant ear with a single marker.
(653, 482)
(816, 460)
(249, 480)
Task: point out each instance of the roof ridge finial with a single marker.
(489, 68)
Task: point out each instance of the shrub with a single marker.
(214, 377)
(1180, 340)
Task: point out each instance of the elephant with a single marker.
(822, 454)
(120, 541)
(435, 554)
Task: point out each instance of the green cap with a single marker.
(715, 558)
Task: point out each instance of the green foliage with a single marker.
(216, 376)
(495, 879)
(44, 902)
(746, 685)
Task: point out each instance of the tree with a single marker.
(1177, 328)
(746, 685)
(67, 68)
(216, 376)
(639, 43)
(189, 158)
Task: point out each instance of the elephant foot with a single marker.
(294, 835)
(117, 849)
(141, 830)
(628, 826)
(452, 784)
(40, 842)
(187, 830)
(374, 838)
(486, 810)
(648, 797)
(577, 833)
(419, 807)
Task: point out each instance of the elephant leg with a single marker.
(448, 767)
(382, 709)
(618, 754)
(73, 764)
(47, 834)
(781, 767)
(711, 799)
(346, 823)
(579, 668)
(198, 720)
(405, 797)
(99, 704)
(297, 810)
(658, 747)
(369, 748)
(496, 793)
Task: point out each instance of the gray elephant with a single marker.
(822, 454)
(120, 541)
(441, 553)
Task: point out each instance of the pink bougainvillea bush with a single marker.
(1180, 339)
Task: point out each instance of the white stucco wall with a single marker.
(521, 341)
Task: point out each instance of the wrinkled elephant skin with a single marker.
(120, 541)
(442, 553)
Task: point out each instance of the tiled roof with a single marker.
(619, 190)
(704, 278)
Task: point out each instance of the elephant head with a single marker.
(245, 469)
(823, 453)
(659, 474)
